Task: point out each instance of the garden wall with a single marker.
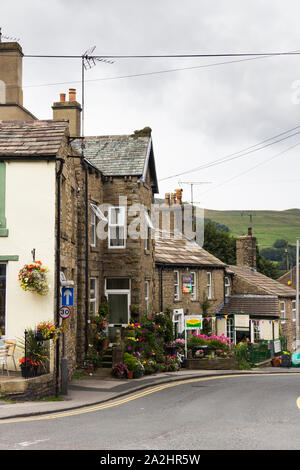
(29, 389)
(212, 364)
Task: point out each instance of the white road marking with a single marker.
(27, 443)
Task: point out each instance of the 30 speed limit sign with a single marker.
(64, 312)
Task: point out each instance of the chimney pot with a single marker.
(72, 94)
(179, 196)
(173, 198)
(250, 231)
(62, 97)
(167, 198)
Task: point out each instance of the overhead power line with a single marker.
(155, 56)
(253, 167)
(240, 154)
(157, 72)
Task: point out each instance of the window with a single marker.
(229, 329)
(2, 297)
(226, 286)
(147, 291)
(176, 285)
(2, 92)
(294, 309)
(116, 227)
(282, 311)
(93, 295)
(193, 286)
(148, 227)
(117, 291)
(93, 230)
(209, 285)
(255, 331)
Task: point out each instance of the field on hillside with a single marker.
(267, 226)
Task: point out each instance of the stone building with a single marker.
(122, 236)
(255, 305)
(185, 274)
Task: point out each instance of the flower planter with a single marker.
(130, 374)
(27, 371)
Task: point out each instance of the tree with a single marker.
(220, 244)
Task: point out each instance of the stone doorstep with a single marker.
(21, 385)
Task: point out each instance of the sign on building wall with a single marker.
(241, 322)
(187, 281)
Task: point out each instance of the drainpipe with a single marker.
(58, 175)
(86, 258)
(161, 289)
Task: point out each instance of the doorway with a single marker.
(117, 291)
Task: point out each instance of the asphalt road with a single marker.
(236, 413)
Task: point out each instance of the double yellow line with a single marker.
(127, 399)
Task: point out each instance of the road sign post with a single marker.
(191, 322)
(64, 313)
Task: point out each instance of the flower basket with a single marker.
(46, 330)
(32, 277)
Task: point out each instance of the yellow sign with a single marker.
(193, 322)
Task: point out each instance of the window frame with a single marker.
(194, 286)
(294, 313)
(209, 285)
(227, 286)
(93, 226)
(176, 286)
(93, 300)
(115, 225)
(282, 318)
(147, 294)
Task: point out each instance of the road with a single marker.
(228, 413)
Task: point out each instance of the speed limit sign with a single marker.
(64, 312)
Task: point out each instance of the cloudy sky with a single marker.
(200, 109)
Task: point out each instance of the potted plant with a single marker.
(130, 362)
(36, 355)
(120, 371)
(138, 370)
(32, 277)
(46, 330)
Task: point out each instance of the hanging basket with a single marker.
(32, 277)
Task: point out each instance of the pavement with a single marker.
(101, 387)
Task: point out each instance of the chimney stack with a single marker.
(70, 110)
(246, 250)
(11, 91)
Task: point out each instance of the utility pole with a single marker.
(192, 183)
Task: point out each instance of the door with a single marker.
(118, 296)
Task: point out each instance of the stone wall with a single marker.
(165, 276)
(29, 389)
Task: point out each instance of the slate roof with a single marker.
(116, 155)
(182, 252)
(289, 276)
(260, 305)
(270, 286)
(31, 138)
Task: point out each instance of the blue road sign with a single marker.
(67, 297)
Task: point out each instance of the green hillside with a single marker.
(267, 226)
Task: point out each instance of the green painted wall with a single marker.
(3, 229)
